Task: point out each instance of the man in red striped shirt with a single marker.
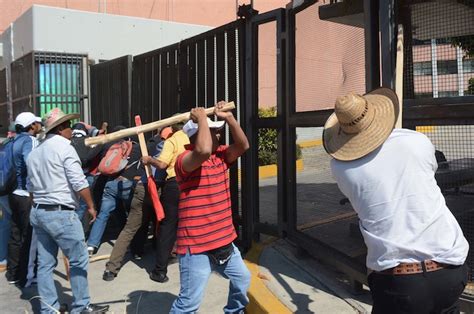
(205, 228)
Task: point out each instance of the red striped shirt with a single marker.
(204, 212)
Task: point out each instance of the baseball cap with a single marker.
(166, 133)
(26, 118)
(190, 128)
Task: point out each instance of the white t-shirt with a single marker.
(402, 214)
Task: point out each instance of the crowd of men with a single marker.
(66, 191)
(416, 248)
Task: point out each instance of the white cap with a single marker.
(26, 118)
(190, 128)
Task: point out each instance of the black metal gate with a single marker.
(284, 69)
(265, 201)
(198, 71)
(43, 80)
(111, 91)
(439, 101)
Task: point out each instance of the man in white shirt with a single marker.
(56, 179)
(415, 246)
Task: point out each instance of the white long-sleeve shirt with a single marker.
(55, 173)
(402, 212)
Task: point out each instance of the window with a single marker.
(448, 94)
(423, 95)
(468, 66)
(447, 67)
(443, 41)
(422, 68)
(418, 42)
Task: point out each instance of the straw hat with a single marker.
(360, 124)
(55, 117)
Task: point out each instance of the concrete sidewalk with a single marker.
(284, 282)
(131, 292)
(281, 283)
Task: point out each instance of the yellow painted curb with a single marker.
(262, 300)
(313, 143)
(271, 170)
(425, 128)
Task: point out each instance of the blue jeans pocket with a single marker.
(57, 222)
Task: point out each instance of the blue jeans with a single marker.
(195, 270)
(114, 191)
(82, 204)
(4, 228)
(60, 228)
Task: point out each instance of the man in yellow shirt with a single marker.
(166, 237)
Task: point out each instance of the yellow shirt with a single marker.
(172, 148)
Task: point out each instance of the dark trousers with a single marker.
(20, 238)
(429, 292)
(168, 226)
(138, 218)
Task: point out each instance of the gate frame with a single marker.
(251, 124)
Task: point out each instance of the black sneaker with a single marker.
(137, 257)
(108, 275)
(95, 309)
(158, 277)
(11, 279)
(63, 308)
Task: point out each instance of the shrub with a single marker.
(470, 89)
(267, 140)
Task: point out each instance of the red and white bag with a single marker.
(116, 158)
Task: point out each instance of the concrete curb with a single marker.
(262, 300)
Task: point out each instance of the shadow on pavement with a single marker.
(31, 295)
(144, 302)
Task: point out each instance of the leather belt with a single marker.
(414, 268)
(48, 207)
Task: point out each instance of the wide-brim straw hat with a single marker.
(360, 124)
(55, 117)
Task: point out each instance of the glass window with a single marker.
(447, 67)
(418, 42)
(422, 68)
(443, 41)
(423, 95)
(448, 94)
(468, 66)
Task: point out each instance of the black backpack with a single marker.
(86, 154)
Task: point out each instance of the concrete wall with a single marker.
(208, 12)
(101, 36)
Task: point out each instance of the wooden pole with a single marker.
(148, 127)
(399, 75)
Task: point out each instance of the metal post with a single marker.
(250, 160)
(372, 42)
(388, 42)
(85, 92)
(434, 66)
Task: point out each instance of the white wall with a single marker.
(101, 36)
